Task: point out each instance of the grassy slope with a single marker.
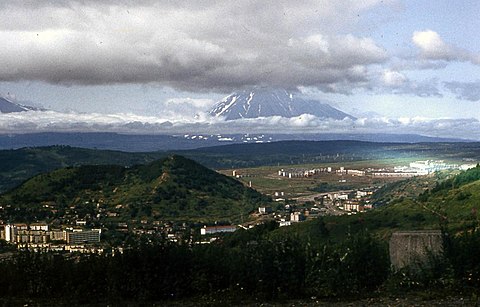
(453, 205)
(173, 187)
(18, 165)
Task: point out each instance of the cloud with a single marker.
(35, 121)
(465, 90)
(395, 82)
(181, 108)
(393, 78)
(433, 47)
(195, 46)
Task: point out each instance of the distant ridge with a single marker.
(265, 102)
(144, 143)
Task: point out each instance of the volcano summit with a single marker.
(265, 102)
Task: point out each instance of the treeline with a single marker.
(463, 178)
(262, 269)
(159, 270)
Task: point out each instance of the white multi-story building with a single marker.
(12, 231)
(355, 172)
(80, 236)
(296, 217)
(361, 194)
(39, 226)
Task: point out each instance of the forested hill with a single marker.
(19, 165)
(173, 188)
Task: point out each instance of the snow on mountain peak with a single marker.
(266, 102)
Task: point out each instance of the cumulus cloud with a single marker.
(433, 47)
(396, 82)
(465, 90)
(393, 78)
(35, 121)
(199, 45)
(181, 108)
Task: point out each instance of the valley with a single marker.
(239, 153)
(302, 203)
(135, 193)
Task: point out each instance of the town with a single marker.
(336, 199)
(90, 226)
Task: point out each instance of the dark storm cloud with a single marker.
(195, 45)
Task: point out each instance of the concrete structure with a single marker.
(296, 217)
(355, 172)
(80, 222)
(396, 174)
(12, 230)
(207, 230)
(367, 206)
(39, 226)
(80, 236)
(361, 194)
(264, 210)
(58, 235)
(351, 206)
(23, 233)
(298, 173)
(414, 248)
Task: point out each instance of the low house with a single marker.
(297, 217)
(264, 210)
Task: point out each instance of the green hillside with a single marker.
(170, 188)
(455, 199)
(18, 165)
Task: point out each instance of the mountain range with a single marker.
(265, 102)
(148, 143)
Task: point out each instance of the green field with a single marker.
(266, 180)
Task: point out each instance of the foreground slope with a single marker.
(170, 188)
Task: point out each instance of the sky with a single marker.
(157, 66)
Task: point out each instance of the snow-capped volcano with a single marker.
(7, 106)
(265, 102)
